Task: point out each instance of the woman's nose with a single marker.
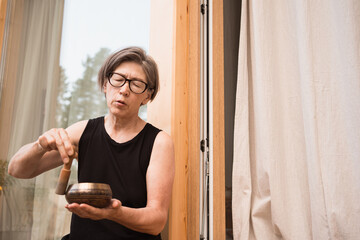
(125, 89)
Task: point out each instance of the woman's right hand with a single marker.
(52, 149)
(57, 139)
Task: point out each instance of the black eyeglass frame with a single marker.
(127, 80)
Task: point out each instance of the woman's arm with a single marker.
(159, 180)
(52, 149)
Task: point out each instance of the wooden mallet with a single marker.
(64, 176)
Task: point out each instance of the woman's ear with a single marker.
(145, 101)
(148, 97)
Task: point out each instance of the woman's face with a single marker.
(122, 102)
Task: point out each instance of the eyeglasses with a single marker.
(117, 80)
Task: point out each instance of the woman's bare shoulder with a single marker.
(163, 147)
(76, 130)
(164, 139)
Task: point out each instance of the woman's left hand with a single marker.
(93, 213)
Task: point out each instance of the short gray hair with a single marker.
(136, 55)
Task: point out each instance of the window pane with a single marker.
(90, 34)
(91, 30)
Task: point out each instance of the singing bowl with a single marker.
(95, 194)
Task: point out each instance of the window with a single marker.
(43, 87)
(89, 35)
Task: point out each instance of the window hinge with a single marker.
(202, 145)
(203, 8)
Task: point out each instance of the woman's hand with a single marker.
(57, 139)
(37, 157)
(87, 211)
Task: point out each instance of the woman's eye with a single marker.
(136, 84)
(119, 79)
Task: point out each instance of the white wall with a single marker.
(161, 44)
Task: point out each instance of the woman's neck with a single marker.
(122, 130)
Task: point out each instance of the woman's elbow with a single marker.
(156, 230)
(11, 169)
(14, 171)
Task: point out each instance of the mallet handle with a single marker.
(64, 177)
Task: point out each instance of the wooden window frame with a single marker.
(185, 124)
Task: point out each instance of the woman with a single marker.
(132, 156)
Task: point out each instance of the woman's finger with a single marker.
(47, 142)
(66, 142)
(61, 148)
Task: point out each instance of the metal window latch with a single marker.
(202, 145)
(203, 8)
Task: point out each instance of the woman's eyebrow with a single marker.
(134, 78)
(124, 75)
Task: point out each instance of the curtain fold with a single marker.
(297, 134)
(30, 207)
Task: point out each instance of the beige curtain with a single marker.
(296, 172)
(29, 208)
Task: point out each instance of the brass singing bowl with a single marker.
(95, 194)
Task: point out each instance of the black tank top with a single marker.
(121, 165)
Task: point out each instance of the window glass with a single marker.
(90, 34)
(93, 29)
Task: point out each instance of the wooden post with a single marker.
(219, 229)
(179, 121)
(185, 126)
(194, 122)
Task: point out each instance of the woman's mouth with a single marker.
(120, 103)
